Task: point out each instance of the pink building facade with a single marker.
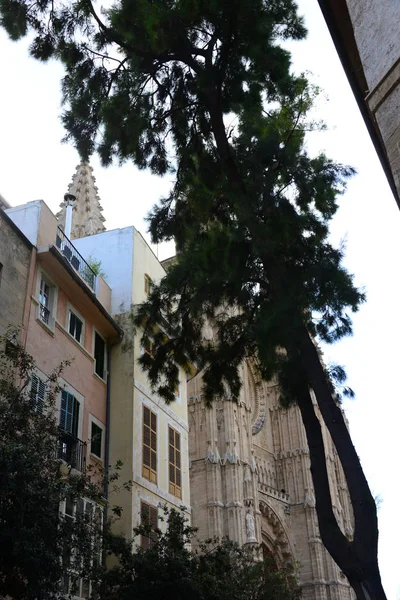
(67, 319)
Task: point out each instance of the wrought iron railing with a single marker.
(71, 450)
(44, 314)
(76, 260)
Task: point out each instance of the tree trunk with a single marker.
(369, 587)
(364, 507)
(357, 559)
(365, 581)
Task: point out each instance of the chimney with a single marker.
(69, 199)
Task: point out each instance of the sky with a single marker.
(35, 165)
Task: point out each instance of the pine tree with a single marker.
(204, 88)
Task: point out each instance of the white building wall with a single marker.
(115, 250)
(27, 217)
(145, 262)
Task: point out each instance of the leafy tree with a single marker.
(170, 569)
(37, 546)
(204, 87)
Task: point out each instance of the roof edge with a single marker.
(340, 27)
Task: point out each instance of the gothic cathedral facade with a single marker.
(250, 481)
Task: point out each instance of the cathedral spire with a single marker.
(87, 218)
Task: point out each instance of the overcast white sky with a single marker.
(35, 165)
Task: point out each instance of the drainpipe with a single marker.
(108, 412)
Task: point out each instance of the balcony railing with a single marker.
(44, 314)
(76, 260)
(71, 450)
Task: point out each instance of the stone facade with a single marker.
(376, 31)
(87, 218)
(366, 35)
(15, 259)
(250, 480)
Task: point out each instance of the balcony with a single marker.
(76, 260)
(71, 450)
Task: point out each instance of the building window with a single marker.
(99, 355)
(37, 393)
(74, 581)
(71, 449)
(148, 519)
(46, 296)
(96, 440)
(149, 468)
(69, 413)
(148, 346)
(75, 327)
(147, 284)
(174, 462)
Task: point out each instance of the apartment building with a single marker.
(68, 319)
(149, 437)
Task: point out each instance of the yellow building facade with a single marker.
(147, 436)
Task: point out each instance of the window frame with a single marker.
(70, 574)
(65, 386)
(147, 284)
(173, 487)
(94, 421)
(72, 311)
(147, 541)
(38, 405)
(53, 300)
(105, 367)
(148, 472)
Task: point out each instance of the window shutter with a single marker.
(174, 459)
(96, 440)
(37, 393)
(69, 413)
(40, 398)
(71, 323)
(148, 516)
(149, 445)
(99, 352)
(34, 389)
(153, 517)
(63, 411)
(78, 329)
(75, 417)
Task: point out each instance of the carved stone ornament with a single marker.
(257, 398)
(309, 498)
(250, 528)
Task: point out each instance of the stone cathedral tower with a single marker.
(87, 218)
(250, 480)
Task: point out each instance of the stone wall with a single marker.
(250, 480)
(15, 253)
(376, 32)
